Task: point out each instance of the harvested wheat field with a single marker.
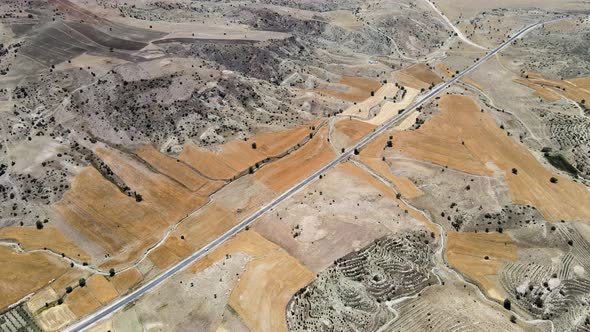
(371, 156)
(466, 139)
(353, 89)
(228, 206)
(172, 200)
(347, 132)
(284, 173)
(391, 109)
(362, 108)
(24, 273)
(178, 171)
(323, 222)
(261, 297)
(237, 156)
(53, 318)
(70, 278)
(118, 223)
(31, 238)
(101, 288)
(275, 144)
(467, 253)
(207, 163)
(448, 73)
(577, 89)
(82, 302)
(126, 280)
(418, 76)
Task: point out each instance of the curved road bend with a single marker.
(106, 311)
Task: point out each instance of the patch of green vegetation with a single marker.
(559, 162)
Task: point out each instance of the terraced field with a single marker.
(354, 292)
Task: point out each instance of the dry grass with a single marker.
(467, 251)
(460, 120)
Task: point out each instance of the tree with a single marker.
(389, 144)
(254, 145)
(514, 171)
(69, 289)
(39, 224)
(112, 272)
(138, 197)
(507, 304)
(513, 319)
(82, 282)
(553, 179)
(356, 151)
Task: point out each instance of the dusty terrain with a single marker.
(134, 134)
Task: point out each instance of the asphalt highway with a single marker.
(106, 311)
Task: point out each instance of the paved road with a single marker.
(118, 304)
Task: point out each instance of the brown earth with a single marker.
(467, 253)
(24, 273)
(460, 120)
(49, 237)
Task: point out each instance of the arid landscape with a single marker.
(294, 165)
